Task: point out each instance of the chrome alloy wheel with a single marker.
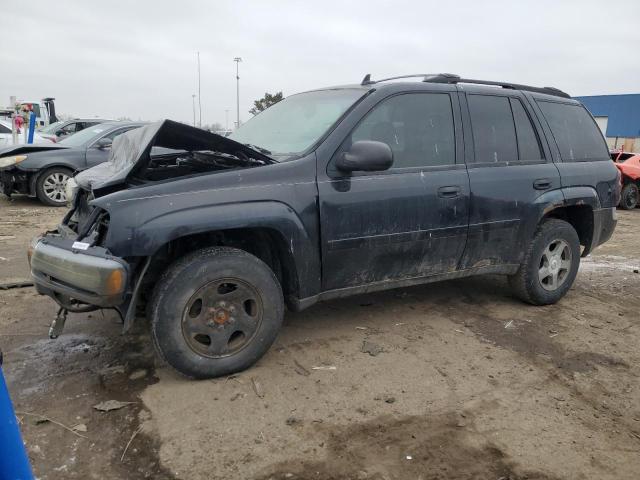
(54, 187)
(555, 265)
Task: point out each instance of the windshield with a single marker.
(83, 136)
(297, 122)
(52, 128)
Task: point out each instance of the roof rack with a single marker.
(451, 78)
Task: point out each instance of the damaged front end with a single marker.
(75, 264)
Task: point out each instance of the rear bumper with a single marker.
(90, 275)
(604, 223)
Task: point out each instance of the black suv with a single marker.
(330, 193)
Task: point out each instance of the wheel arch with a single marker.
(37, 174)
(272, 231)
(267, 244)
(577, 209)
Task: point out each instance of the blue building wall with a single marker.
(623, 112)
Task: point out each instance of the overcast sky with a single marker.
(137, 59)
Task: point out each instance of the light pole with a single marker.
(193, 97)
(226, 119)
(237, 60)
(199, 97)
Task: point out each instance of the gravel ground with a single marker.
(456, 380)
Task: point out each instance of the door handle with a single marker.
(449, 192)
(542, 184)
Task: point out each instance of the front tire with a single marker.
(550, 265)
(629, 196)
(51, 184)
(215, 312)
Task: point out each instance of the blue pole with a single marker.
(14, 463)
(32, 127)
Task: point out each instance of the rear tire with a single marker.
(550, 265)
(50, 186)
(629, 196)
(215, 312)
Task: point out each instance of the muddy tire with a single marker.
(50, 186)
(629, 196)
(550, 265)
(215, 312)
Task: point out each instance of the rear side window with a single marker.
(528, 143)
(494, 134)
(576, 134)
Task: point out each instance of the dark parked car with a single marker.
(65, 128)
(43, 170)
(326, 194)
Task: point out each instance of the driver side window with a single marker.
(69, 129)
(418, 127)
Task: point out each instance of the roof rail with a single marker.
(451, 78)
(425, 76)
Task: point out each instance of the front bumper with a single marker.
(63, 268)
(13, 180)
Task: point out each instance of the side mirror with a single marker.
(60, 133)
(366, 156)
(104, 143)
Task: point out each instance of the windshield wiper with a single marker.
(260, 149)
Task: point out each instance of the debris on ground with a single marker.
(257, 388)
(138, 374)
(300, 370)
(371, 348)
(44, 419)
(136, 432)
(81, 427)
(292, 421)
(110, 405)
(324, 367)
(10, 285)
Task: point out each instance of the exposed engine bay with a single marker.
(180, 164)
(166, 150)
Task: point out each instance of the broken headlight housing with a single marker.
(12, 160)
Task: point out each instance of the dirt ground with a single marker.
(461, 381)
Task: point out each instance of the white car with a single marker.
(6, 137)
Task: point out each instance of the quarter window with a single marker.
(417, 126)
(494, 134)
(575, 132)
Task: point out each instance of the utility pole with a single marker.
(193, 97)
(226, 119)
(237, 60)
(199, 97)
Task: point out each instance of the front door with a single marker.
(409, 221)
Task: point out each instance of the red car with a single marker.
(629, 166)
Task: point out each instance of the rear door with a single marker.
(509, 169)
(411, 220)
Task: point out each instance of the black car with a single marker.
(327, 194)
(43, 170)
(65, 128)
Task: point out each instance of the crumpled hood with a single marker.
(131, 151)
